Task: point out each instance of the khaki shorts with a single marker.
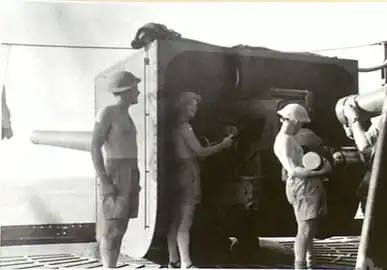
(125, 176)
(307, 198)
(187, 185)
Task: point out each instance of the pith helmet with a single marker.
(122, 81)
(295, 112)
(187, 97)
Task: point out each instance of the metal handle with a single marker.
(146, 118)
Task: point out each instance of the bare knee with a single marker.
(173, 228)
(306, 229)
(187, 215)
(113, 232)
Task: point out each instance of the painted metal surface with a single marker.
(47, 234)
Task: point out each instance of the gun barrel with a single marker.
(77, 140)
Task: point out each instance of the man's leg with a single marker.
(172, 237)
(316, 207)
(183, 234)
(302, 242)
(309, 253)
(113, 232)
(123, 226)
(300, 246)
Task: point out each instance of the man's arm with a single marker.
(295, 170)
(372, 133)
(363, 139)
(193, 143)
(304, 173)
(360, 136)
(100, 133)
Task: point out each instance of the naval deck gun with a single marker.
(242, 87)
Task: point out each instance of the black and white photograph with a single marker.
(193, 135)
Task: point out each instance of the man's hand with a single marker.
(307, 174)
(228, 141)
(107, 186)
(109, 190)
(348, 131)
(290, 174)
(351, 111)
(326, 166)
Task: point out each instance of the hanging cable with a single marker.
(344, 48)
(350, 47)
(68, 46)
(369, 69)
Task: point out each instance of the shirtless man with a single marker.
(118, 176)
(365, 141)
(187, 190)
(304, 188)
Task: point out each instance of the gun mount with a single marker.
(243, 88)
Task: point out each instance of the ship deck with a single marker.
(331, 253)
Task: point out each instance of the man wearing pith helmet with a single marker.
(117, 169)
(304, 188)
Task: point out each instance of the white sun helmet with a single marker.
(295, 112)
